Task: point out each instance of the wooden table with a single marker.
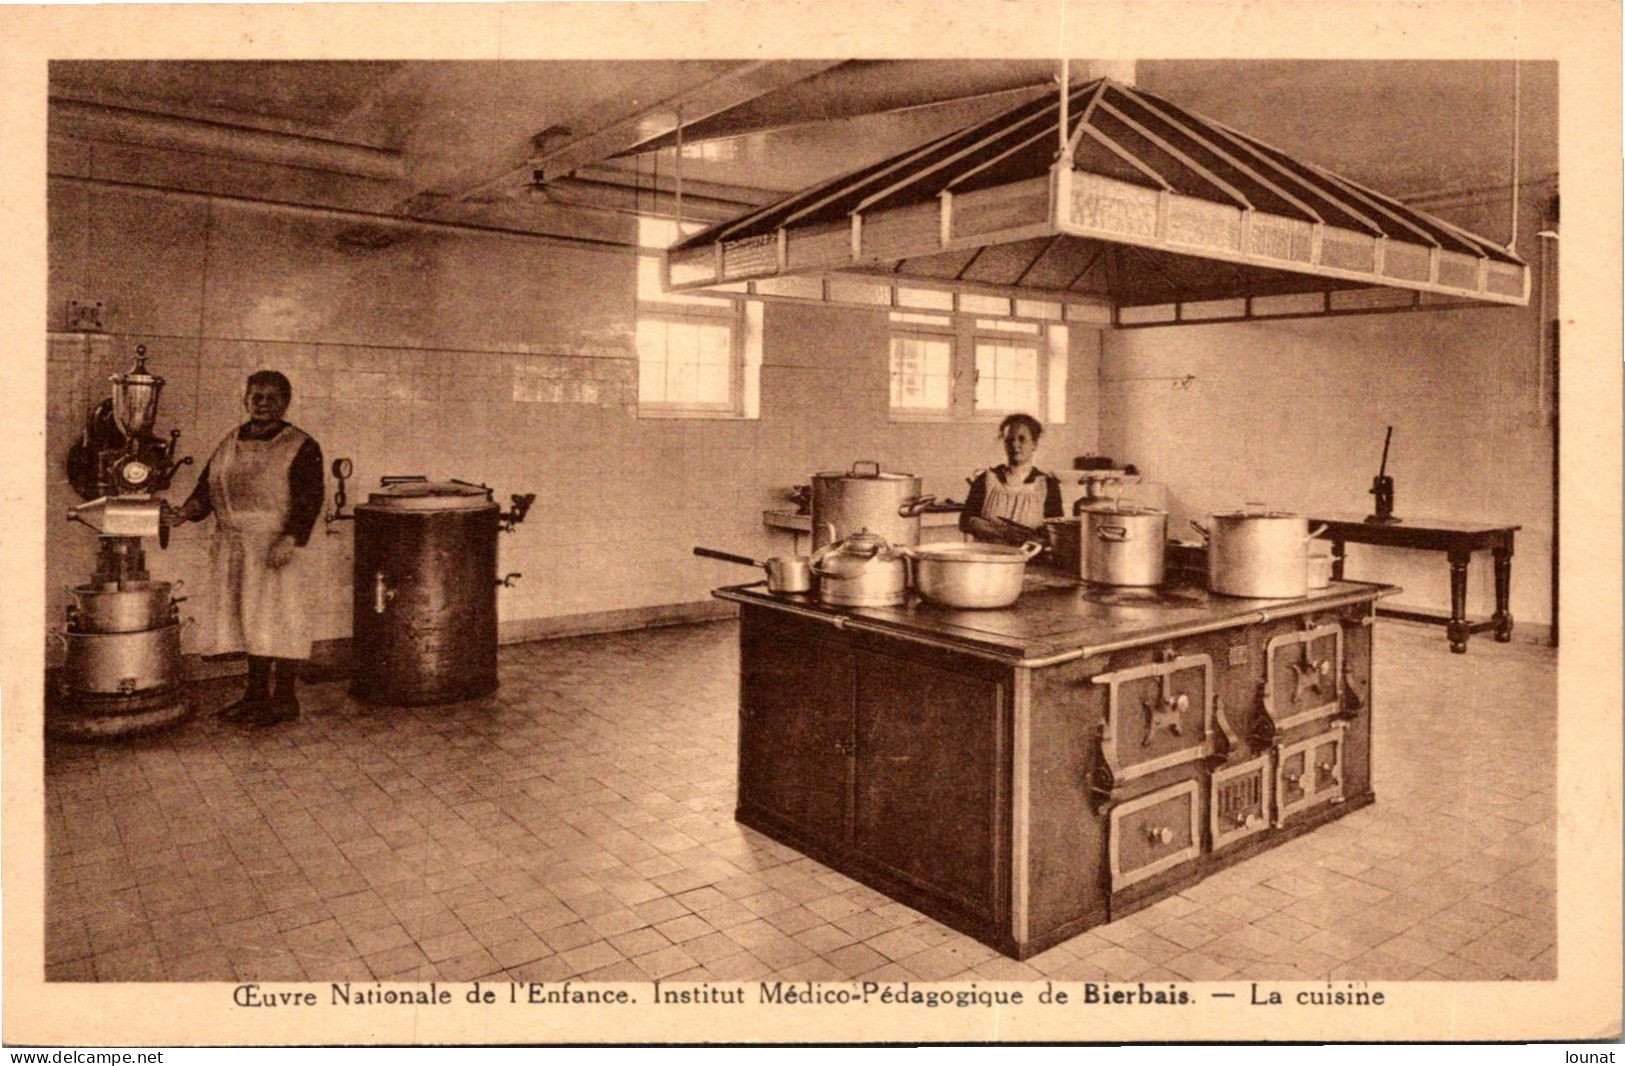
(1458, 540)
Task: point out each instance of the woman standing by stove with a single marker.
(1009, 502)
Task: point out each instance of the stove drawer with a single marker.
(1240, 802)
(1154, 833)
(1309, 773)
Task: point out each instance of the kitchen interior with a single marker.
(557, 325)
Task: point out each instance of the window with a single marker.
(1008, 369)
(957, 366)
(922, 355)
(694, 352)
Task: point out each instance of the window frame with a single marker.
(686, 308)
(964, 331)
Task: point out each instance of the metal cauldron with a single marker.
(866, 499)
(425, 601)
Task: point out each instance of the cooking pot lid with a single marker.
(859, 474)
(430, 496)
(1123, 509)
(842, 475)
(1257, 514)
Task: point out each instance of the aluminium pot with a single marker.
(121, 664)
(129, 607)
(786, 574)
(1123, 544)
(865, 498)
(971, 575)
(1258, 554)
(861, 570)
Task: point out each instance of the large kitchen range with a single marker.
(559, 527)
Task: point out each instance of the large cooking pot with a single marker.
(122, 663)
(971, 575)
(1258, 554)
(861, 570)
(127, 607)
(866, 499)
(424, 604)
(1123, 544)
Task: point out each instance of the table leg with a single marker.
(1457, 629)
(1337, 559)
(1503, 592)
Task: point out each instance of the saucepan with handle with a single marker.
(785, 573)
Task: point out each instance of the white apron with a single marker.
(257, 609)
(1022, 503)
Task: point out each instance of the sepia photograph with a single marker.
(664, 539)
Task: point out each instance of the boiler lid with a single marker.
(430, 496)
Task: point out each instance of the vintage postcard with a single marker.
(753, 522)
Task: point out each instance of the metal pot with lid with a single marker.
(865, 498)
(1258, 554)
(1123, 544)
(425, 596)
(862, 570)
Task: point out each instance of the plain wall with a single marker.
(496, 359)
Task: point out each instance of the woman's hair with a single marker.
(274, 378)
(1032, 424)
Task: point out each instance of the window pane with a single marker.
(1006, 376)
(921, 368)
(685, 361)
(1006, 325)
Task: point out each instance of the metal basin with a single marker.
(971, 575)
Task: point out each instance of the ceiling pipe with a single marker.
(84, 120)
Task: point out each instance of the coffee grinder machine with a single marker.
(121, 671)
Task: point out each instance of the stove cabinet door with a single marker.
(929, 800)
(795, 731)
(1159, 714)
(1305, 674)
(1309, 773)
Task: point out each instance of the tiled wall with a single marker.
(1292, 414)
(491, 358)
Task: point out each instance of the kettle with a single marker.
(862, 570)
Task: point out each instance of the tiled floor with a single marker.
(579, 823)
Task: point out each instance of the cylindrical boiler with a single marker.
(425, 623)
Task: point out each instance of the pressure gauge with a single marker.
(135, 472)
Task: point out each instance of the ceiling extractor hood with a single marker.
(1150, 210)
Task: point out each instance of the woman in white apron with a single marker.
(1008, 504)
(264, 487)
